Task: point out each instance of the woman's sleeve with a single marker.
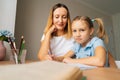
(43, 36)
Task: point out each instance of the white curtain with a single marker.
(7, 14)
(116, 29)
(7, 19)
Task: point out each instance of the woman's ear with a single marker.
(92, 31)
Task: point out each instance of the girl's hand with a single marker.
(68, 60)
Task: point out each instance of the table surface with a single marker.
(12, 63)
(39, 70)
(102, 74)
(90, 74)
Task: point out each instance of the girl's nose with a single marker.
(78, 34)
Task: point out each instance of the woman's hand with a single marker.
(48, 57)
(52, 30)
(59, 59)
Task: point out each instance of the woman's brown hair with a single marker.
(50, 20)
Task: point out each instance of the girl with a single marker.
(57, 35)
(89, 49)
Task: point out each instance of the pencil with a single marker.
(21, 50)
(12, 44)
(22, 38)
(14, 53)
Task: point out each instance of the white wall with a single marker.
(32, 17)
(116, 29)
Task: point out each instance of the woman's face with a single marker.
(81, 32)
(60, 18)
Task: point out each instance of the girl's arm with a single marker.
(98, 59)
(111, 60)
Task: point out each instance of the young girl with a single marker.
(57, 39)
(89, 49)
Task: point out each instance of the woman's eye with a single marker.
(74, 31)
(57, 17)
(64, 17)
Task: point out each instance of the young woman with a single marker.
(57, 39)
(89, 49)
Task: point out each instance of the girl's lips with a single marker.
(78, 39)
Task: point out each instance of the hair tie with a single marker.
(93, 20)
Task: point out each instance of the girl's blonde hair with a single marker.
(50, 20)
(100, 30)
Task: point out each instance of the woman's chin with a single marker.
(60, 28)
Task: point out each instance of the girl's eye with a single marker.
(82, 30)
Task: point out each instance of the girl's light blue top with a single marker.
(88, 50)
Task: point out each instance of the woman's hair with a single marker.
(100, 30)
(50, 20)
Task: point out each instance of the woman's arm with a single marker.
(60, 59)
(45, 46)
(98, 59)
(69, 54)
(43, 51)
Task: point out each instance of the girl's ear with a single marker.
(92, 31)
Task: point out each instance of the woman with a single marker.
(57, 38)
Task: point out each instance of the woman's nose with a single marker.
(60, 19)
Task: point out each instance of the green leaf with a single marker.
(3, 38)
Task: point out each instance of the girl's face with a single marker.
(60, 18)
(81, 32)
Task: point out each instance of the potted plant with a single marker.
(4, 35)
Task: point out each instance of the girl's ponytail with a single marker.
(101, 31)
